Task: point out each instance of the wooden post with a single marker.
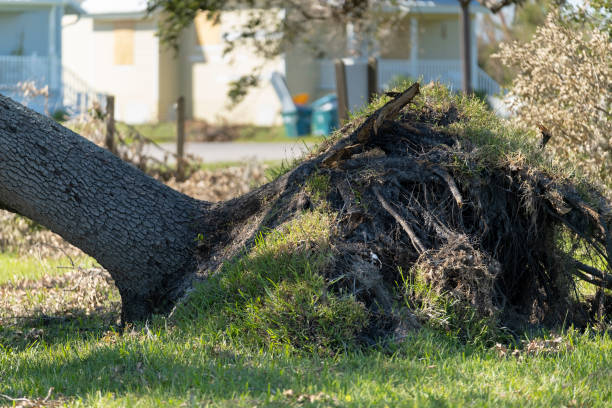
(180, 138)
(341, 92)
(109, 141)
(372, 78)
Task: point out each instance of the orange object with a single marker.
(301, 99)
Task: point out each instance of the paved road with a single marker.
(227, 152)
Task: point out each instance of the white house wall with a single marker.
(79, 52)
(439, 38)
(206, 76)
(135, 86)
(31, 26)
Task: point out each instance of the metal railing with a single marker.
(444, 71)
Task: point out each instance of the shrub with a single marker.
(564, 83)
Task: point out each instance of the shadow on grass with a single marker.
(21, 333)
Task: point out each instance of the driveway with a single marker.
(230, 151)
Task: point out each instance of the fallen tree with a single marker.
(412, 199)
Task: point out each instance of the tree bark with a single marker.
(141, 231)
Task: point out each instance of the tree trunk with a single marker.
(141, 231)
(466, 57)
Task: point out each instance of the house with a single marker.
(114, 48)
(31, 50)
(425, 44)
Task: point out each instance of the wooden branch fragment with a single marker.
(340, 155)
(546, 135)
(391, 108)
(451, 184)
(394, 106)
(416, 242)
(602, 279)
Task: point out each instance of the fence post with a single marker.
(180, 138)
(109, 141)
(341, 91)
(372, 78)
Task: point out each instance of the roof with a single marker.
(70, 6)
(110, 8)
(437, 6)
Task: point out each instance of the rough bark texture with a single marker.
(141, 231)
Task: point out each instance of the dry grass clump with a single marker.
(461, 271)
(78, 292)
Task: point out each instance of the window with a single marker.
(124, 42)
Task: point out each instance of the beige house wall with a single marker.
(136, 85)
(205, 75)
(147, 88)
(438, 38)
(78, 53)
(120, 57)
(169, 83)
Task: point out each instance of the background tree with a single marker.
(290, 22)
(526, 19)
(564, 83)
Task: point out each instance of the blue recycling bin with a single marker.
(297, 122)
(325, 115)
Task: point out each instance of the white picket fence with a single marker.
(444, 71)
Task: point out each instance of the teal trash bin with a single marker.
(325, 115)
(297, 123)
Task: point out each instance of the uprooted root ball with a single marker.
(435, 204)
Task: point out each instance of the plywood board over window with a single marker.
(124, 42)
(208, 30)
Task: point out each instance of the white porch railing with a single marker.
(444, 71)
(15, 69)
(71, 93)
(78, 95)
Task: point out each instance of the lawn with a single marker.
(86, 362)
(164, 132)
(269, 329)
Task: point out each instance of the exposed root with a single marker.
(505, 240)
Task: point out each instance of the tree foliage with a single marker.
(564, 82)
(272, 27)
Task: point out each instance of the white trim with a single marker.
(53, 60)
(71, 6)
(432, 8)
(118, 16)
(473, 54)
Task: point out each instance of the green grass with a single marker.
(159, 367)
(159, 132)
(165, 132)
(13, 267)
(265, 331)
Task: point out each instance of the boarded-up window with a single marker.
(208, 31)
(124, 42)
